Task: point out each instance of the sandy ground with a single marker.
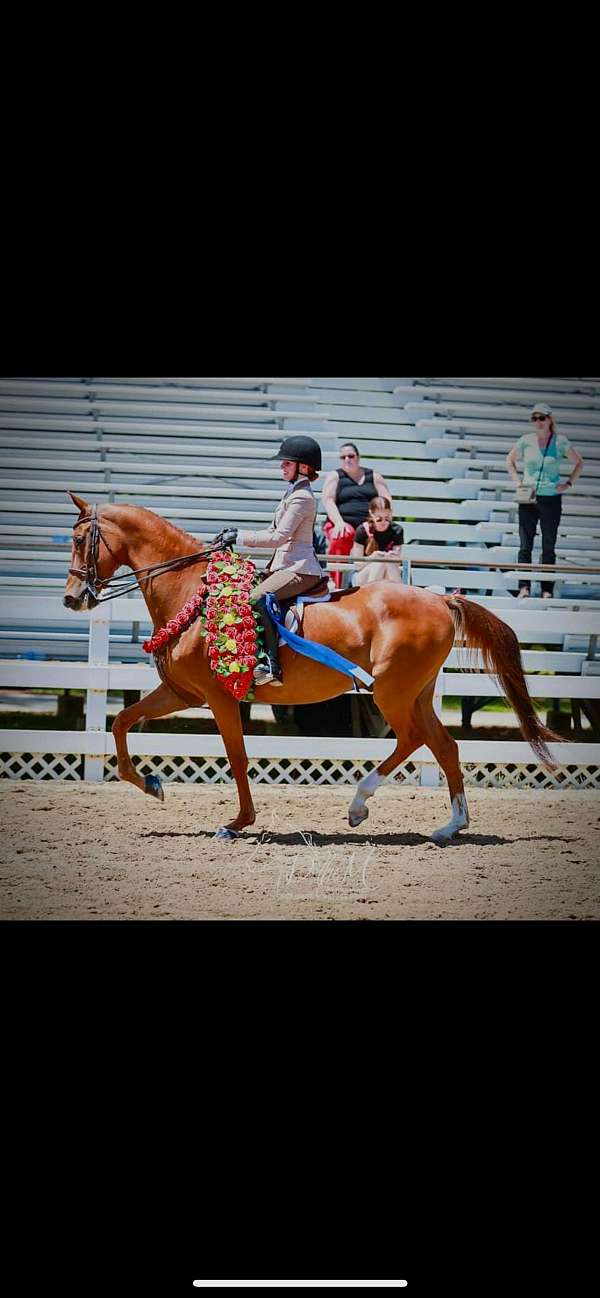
(81, 851)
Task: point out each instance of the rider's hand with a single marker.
(227, 538)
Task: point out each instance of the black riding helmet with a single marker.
(303, 449)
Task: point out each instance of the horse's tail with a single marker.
(480, 629)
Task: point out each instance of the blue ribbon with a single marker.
(319, 652)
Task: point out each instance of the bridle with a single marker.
(89, 571)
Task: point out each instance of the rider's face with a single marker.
(288, 469)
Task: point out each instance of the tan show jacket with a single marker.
(291, 532)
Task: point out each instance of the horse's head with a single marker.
(93, 560)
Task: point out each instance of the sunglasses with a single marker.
(348, 457)
(539, 419)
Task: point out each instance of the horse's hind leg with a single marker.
(445, 749)
(160, 703)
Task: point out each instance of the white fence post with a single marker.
(96, 698)
(430, 772)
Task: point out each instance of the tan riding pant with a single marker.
(286, 584)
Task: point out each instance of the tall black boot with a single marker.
(269, 672)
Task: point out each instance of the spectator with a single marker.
(345, 497)
(376, 537)
(541, 450)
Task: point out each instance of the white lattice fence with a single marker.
(214, 769)
(41, 766)
(521, 775)
(284, 760)
(284, 770)
(200, 759)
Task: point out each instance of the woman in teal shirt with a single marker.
(541, 451)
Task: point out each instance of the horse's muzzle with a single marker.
(77, 603)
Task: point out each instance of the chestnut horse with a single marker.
(400, 634)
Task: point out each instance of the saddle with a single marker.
(292, 609)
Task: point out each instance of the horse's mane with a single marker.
(168, 535)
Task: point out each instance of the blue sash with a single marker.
(319, 652)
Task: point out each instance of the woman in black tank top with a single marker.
(346, 494)
(353, 498)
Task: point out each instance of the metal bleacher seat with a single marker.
(502, 396)
(587, 387)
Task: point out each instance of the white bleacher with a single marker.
(10, 389)
(196, 450)
(494, 437)
(589, 387)
(506, 395)
(493, 466)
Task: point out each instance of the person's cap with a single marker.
(541, 408)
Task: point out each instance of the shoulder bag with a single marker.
(528, 495)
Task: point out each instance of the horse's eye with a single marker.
(78, 542)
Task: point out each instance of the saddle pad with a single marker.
(291, 621)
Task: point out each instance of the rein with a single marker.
(89, 571)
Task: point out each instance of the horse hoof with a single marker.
(441, 839)
(227, 834)
(356, 818)
(154, 787)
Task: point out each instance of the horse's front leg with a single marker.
(226, 711)
(160, 703)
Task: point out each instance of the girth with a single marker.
(190, 700)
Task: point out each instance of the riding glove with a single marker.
(228, 537)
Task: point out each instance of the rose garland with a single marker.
(232, 626)
(177, 624)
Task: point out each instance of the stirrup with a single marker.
(265, 676)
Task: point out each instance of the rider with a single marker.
(294, 567)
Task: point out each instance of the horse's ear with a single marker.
(79, 502)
